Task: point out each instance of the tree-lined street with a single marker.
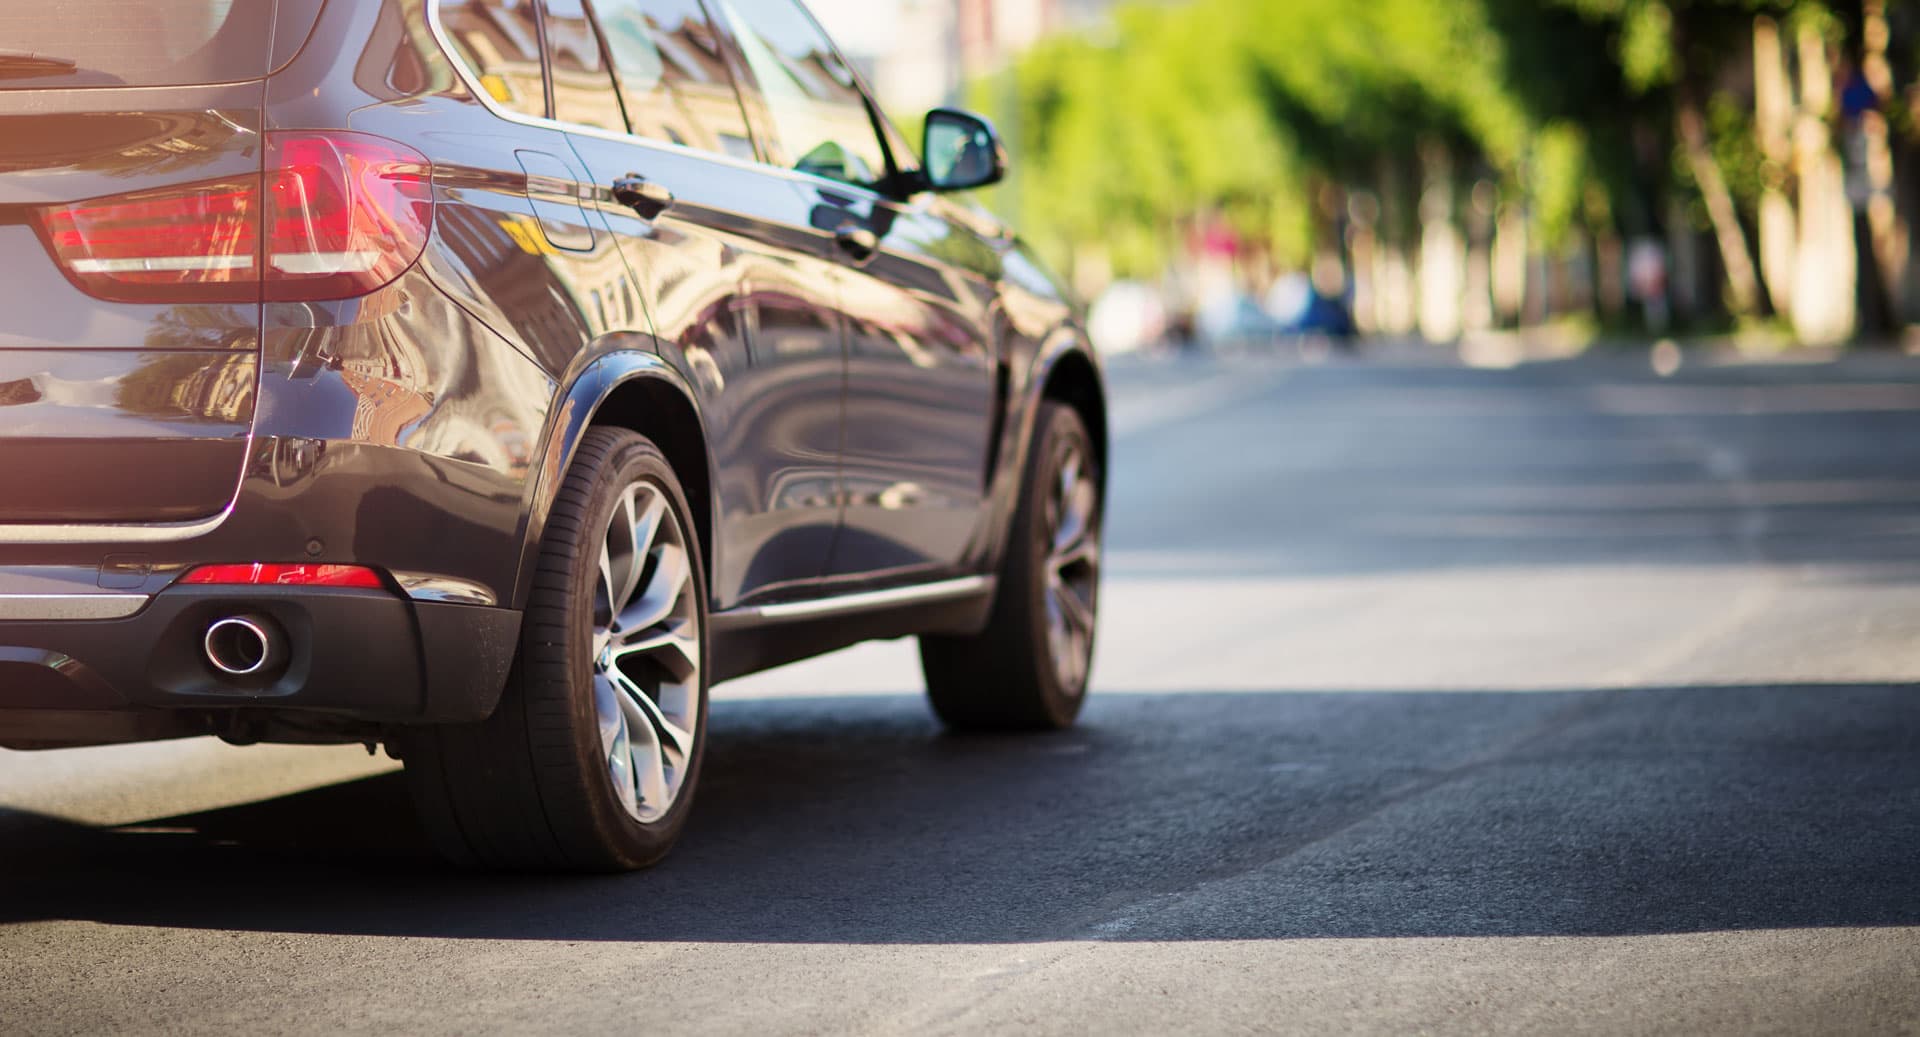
(1562, 697)
(1454, 167)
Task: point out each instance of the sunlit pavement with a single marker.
(1563, 697)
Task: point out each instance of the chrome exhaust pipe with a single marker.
(244, 646)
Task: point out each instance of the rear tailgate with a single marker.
(132, 402)
(110, 411)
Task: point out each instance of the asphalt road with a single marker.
(1551, 699)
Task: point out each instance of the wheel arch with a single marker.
(1073, 378)
(1063, 370)
(642, 392)
(665, 413)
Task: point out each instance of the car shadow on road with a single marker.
(1166, 817)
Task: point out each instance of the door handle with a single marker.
(857, 242)
(643, 196)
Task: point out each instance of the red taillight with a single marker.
(198, 243)
(334, 216)
(346, 214)
(261, 574)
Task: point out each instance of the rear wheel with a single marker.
(1028, 670)
(591, 761)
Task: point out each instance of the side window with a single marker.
(673, 75)
(819, 114)
(582, 90)
(499, 40)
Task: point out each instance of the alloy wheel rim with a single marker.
(1072, 567)
(646, 653)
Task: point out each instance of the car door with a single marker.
(920, 370)
(738, 302)
(920, 388)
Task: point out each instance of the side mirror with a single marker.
(962, 151)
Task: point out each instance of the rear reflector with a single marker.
(261, 574)
(334, 216)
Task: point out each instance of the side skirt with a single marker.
(748, 640)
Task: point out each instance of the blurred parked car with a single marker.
(1236, 321)
(1300, 309)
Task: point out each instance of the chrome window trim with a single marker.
(64, 607)
(486, 100)
(468, 77)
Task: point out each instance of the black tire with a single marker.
(530, 788)
(1009, 677)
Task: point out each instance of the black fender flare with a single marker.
(586, 391)
(1066, 342)
(1069, 343)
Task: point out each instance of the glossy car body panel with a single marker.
(118, 412)
(83, 432)
(857, 426)
(397, 431)
(921, 381)
(746, 314)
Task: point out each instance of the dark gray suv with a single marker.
(489, 378)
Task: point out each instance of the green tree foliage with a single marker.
(1121, 138)
(1242, 107)
(1589, 115)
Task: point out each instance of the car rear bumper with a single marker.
(351, 655)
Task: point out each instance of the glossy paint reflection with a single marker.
(112, 436)
(747, 314)
(921, 383)
(411, 427)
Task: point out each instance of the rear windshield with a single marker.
(81, 43)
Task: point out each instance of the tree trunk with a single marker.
(1609, 274)
(1393, 279)
(1364, 260)
(1442, 252)
(1687, 283)
(1510, 248)
(1743, 282)
(1773, 121)
(1476, 307)
(1824, 285)
(1888, 229)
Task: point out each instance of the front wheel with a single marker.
(591, 760)
(1028, 670)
